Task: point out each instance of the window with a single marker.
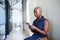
(2, 20)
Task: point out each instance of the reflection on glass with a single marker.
(2, 20)
(16, 13)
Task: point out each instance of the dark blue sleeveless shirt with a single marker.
(39, 24)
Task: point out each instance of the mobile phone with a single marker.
(27, 23)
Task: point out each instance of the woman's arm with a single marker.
(46, 27)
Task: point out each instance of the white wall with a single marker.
(51, 10)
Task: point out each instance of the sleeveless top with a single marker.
(39, 24)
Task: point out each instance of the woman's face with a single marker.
(37, 13)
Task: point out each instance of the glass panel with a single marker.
(16, 14)
(13, 2)
(2, 20)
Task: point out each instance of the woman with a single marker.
(40, 26)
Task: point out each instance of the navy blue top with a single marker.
(39, 24)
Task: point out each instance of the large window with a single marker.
(16, 12)
(2, 20)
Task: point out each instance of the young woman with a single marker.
(40, 26)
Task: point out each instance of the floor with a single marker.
(16, 34)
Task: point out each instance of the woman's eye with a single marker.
(35, 12)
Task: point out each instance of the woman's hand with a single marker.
(32, 27)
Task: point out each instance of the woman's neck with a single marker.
(39, 17)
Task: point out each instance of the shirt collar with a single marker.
(40, 18)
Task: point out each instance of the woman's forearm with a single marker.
(41, 31)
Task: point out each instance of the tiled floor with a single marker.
(16, 34)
